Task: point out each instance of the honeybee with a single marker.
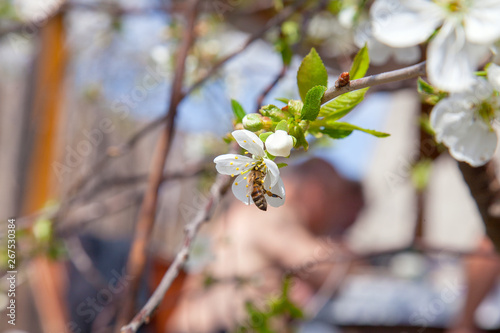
(256, 187)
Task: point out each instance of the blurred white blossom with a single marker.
(379, 52)
(464, 121)
(467, 30)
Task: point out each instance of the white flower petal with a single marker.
(232, 164)
(482, 21)
(404, 23)
(279, 143)
(273, 171)
(250, 141)
(240, 190)
(452, 60)
(494, 76)
(476, 146)
(451, 115)
(468, 137)
(278, 189)
(346, 17)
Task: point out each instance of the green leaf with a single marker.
(281, 165)
(429, 94)
(336, 133)
(344, 129)
(312, 103)
(342, 105)
(425, 125)
(421, 174)
(290, 34)
(273, 112)
(238, 111)
(283, 47)
(295, 107)
(298, 133)
(264, 136)
(282, 99)
(424, 87)
(282, 125)
(360, 64)
(42, 229)
(57, 250)
(311, 73)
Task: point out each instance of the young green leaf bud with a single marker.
(273, 112)
(253, 122)
(295, 107)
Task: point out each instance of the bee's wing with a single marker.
(250, 180)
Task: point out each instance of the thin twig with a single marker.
(276, 20)
(97, 210)
(373, 80)
(270, 87)
(104, 207)
(217, 190)
(137, 257)
(109, 183)
(83, 263)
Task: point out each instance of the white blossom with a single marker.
(468, 29)
(279, 143)
(347, 16)
(380, 52)
(464, 121)
(240, 166)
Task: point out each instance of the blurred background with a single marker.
(85, 90)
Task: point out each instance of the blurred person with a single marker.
(481, 277)
(254, 249)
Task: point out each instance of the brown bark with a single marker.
(46, 278)
(137, 257)
(484, 188)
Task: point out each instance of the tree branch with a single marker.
(110, 183)
(276, 20)
(267, 90)
(137, 256)
(485, 189)
(220, 186)
(373, 80)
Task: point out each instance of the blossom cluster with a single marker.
(467, 29)
(279, 143)
(461, 34)
(465, 121)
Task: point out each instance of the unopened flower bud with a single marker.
(253, 122)
(279, 143)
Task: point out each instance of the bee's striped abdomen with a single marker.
(258, 193)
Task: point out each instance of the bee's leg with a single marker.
(271, 194)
